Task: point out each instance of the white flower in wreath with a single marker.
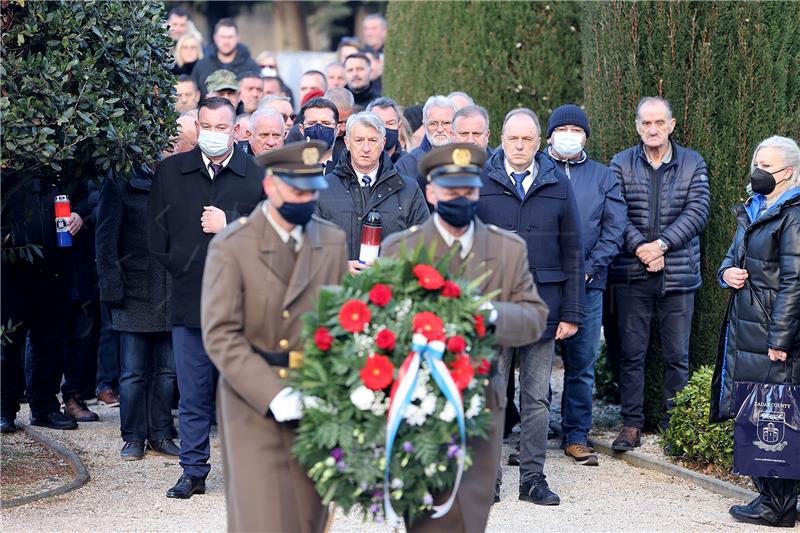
(312, 402)
(428, 404)
(430, 470)
(450, 330)
(402, 309)
(379, 407)
(363, 344)
(472, 383)
(422, 385)
(414, 415)
(448, 414)
(362, 398)
(475, 404)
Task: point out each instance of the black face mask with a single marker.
(297, 213)
(763, 182)
(458, 212)
(391, 139)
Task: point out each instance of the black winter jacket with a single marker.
(242, 62)
(547, 219)
(765, 313)
(132, 282)
(670, 203)
(345, 203)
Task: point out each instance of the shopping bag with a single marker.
(766, 431)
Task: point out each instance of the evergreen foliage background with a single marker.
(503, 54)
(730, 69)
(85, 87)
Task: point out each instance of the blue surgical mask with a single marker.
(321, 133)
(567, 143)
(392, 136)
(213, 143)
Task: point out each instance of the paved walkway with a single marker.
(129, 496)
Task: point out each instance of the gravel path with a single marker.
(129, 496)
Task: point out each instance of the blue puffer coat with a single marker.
(547, 220)
(671, 204)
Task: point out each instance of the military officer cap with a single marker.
(297, 164)
(221, 80)
(454, 165)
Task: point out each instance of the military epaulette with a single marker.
(233, 227)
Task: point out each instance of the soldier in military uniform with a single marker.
(518, 315)
(262, 273)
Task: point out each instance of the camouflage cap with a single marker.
(221, 80)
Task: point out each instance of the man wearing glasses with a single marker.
(281, 104)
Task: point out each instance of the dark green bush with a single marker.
(85, 87)
(690, 435)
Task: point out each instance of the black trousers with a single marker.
(636, 303)
(80, 350)
(35, 298)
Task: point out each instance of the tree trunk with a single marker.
(290, 25)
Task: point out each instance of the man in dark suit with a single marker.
(193, 196)
(517, 313)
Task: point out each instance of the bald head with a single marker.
(187, 136)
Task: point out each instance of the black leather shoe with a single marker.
(164, 447)
(186, 487)
(7, 425)
(132, 451)
(54, 420)
(536, 490)
(513, 459)
(775, 505)
(757, 512)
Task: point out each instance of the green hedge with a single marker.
(732, 73)
(504, 54)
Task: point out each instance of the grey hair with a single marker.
(522, 111)
(653, 100)
(377, 16)
(365, 118)
(384, 103)
(471, 111)
(241, 116)
(790, 155)
(341, 98)
(463, 95)
(272, 98)
(436, 101)
(267, 112)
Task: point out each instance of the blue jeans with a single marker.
(107, 353)
(146, 386)
(579, 353)
(197, 384)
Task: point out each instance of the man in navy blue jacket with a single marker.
(666, 188)
(523, 192)
(602, 210)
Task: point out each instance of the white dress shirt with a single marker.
(450, 239)
(373, 176)
(297, 231)
(224, 163)
(528, 181)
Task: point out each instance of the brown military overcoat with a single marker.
(255, 288)
(522, 317)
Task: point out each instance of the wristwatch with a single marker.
(662, 245)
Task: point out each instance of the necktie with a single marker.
(215, 168)
(292, 244)
(367, 181)
(518, 177)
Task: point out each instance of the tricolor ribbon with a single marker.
(432, 353)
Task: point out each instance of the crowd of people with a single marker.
(126, 328)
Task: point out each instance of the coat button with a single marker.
(283, 373)
(286, 313)
(283, 343)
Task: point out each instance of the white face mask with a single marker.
(213, 143)
(567, 143)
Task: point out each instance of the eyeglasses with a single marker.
(436, 124)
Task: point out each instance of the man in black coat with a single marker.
(193, 196)
(357, 72)
(227, 53)
(365, 180)
(524, 193)
(666, 188)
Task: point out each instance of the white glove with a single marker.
(489, 306)
(287, 405)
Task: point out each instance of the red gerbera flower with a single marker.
(354, 316)
(385, 339)
(462, 371)
(380, 295)
(378, 373)
(429, 278)
(451, 290)
(323, 339)
(483, 368)
(429, 325)
(456, 344)
(480, 326)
